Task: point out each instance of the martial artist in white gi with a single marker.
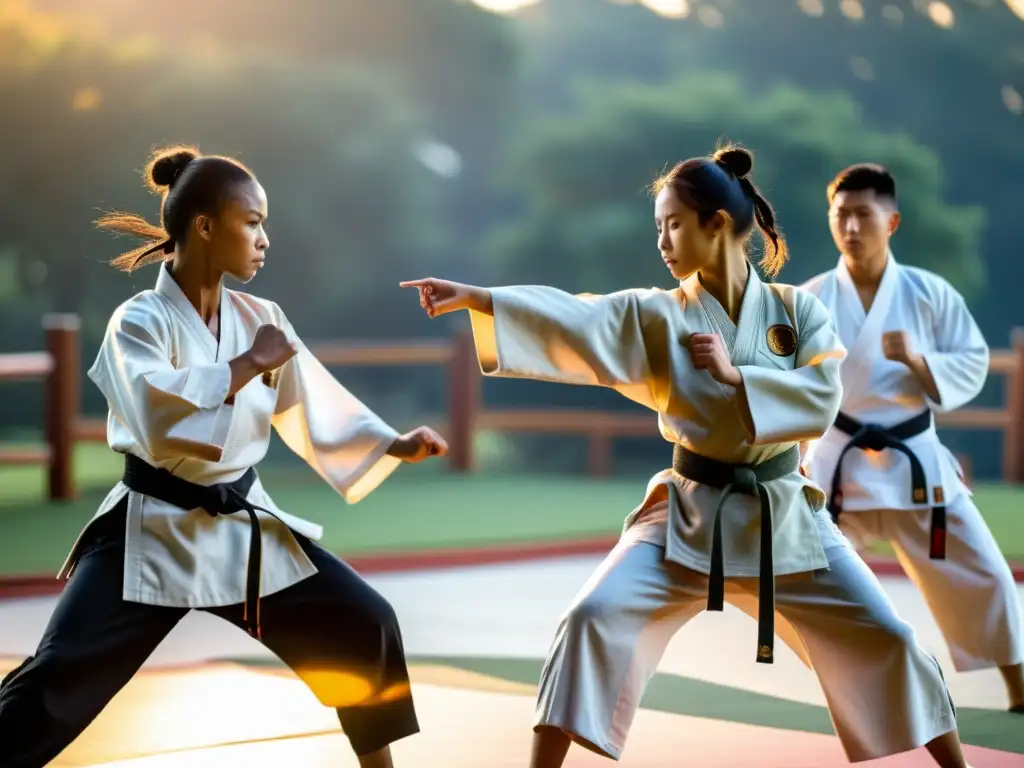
(196, 376)
(739, 373)
(913, 350)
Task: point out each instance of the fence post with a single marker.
(464, 401)
(1013, 451)
(62, 401)
(599, 453)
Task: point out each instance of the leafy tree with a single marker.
(335, 149)
(586, 222)
(943, 85)
(457, 63)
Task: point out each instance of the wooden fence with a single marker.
(59, 368)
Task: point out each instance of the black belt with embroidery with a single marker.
(748, 479)
(874, 437)
(219, 499)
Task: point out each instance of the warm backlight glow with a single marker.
(336, 688)
(811, 7)
(224, 704)
(504, 6)
(86, 100)
(1017, 6)
(671, 9)
(941, 14)
(852, 9)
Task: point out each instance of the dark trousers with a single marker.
(337, 634)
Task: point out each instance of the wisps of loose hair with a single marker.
(159, 247)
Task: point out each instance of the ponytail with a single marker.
(772, 263)
(159, 248)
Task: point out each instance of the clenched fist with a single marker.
(271, 349)
(708, 352)
(439, 297)
(420, 444)
(897, 346)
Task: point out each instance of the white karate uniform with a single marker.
(971, 592)
(166, 379)
(886, 695)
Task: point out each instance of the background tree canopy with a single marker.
(581, 176)
(405, 137)
(950, 77)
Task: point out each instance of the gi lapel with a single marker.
(867, 348)
(229, 321)
(169, 289)
(751, 321)
(740, 338)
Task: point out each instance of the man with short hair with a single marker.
(913, 350)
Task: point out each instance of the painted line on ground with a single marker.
(438, 559)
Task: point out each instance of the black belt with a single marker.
(749, 480)
(219, 499)
(874, 437)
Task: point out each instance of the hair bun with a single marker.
(167, 165)
(737, 161)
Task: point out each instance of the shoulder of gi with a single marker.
(801, 303)
(145, 311)
(816, 283)
(927, 285)
(263, 311)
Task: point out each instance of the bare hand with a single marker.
(708, 352)
(439, 297)
(897, 346)
(271, 348)
(420, 444)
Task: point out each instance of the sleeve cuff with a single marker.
(936, 407)
(485, 339)
(374, 469)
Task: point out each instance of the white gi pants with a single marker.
(971, 593)
(885, 694)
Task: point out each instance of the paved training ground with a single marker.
(211, 696)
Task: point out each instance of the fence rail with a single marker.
(58, 368)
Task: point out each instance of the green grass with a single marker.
(420, 507)
(1002, 506)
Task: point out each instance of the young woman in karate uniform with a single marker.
(195, 376)
(739, 372)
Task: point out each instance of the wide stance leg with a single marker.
(92, 646)
(885, 693)
(971, 593)
(607, 647)
(343, 640)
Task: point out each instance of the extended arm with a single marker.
(545, 334)
(347, 444)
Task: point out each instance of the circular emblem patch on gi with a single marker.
(781, 340)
